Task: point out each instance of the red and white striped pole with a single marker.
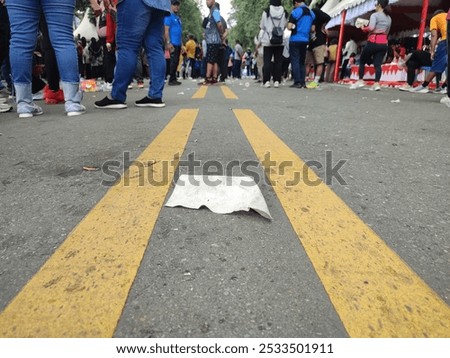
(423, 22)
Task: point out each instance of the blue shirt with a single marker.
(175, 29)
(303, 22)
(216, 15)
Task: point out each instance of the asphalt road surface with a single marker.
(365, 252)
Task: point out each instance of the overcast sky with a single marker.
(225, 8)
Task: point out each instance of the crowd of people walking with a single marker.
(145, 38)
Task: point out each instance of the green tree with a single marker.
(191, 18)
(247, 16)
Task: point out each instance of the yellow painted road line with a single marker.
(228, 93)
(201, 92)
(81, 290)
(374, 292)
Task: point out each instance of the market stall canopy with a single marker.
(327, 6)
(405, 13)
(86, 29)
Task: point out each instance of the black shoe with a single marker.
(174, 83)
(296, 85)
(150, 102)
(110, 103)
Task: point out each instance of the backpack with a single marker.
(277, 33)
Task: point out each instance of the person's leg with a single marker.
(236, 68)
(268, 53)
(203, 68)
(319, 60)
(330, 71)
(278, 66)
(5, 69)
(343, 69)
(133, 18)
(174, 60)
(411, 72)
(438, 65)
(366, 55)
(138, 73)
(52, 93)
(6, 72)
(222, 64)
(24, 21)
(294, 49)
(109, 62)
(4, 35)
(216, 69)
(446, 100)
(378, 60)
(154, 48)
(448, 58)
(58, 15)
(303, 49)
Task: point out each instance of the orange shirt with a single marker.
(439, 23)
(190, 48)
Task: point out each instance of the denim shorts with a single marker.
(440, 58)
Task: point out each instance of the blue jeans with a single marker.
(139, 25)
(297, 51)
(24, 18)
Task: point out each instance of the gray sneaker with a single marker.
(419, 89)
(76, 110)
(445, 100)
(5, 107)
(28, 110)
(357, 84)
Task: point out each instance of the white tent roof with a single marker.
(328, 5)
(354, 9)
(357, 8)
(86, 28)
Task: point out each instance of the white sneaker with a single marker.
(446, 100)
(405, 88)
(357, 84)
(440, 90)
(375, 87)
(79, 112)
(419, 89)
(30, 110)
(276, 84)
(267, 84)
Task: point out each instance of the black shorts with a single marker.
(212, 53)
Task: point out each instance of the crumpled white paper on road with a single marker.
(220, 194)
